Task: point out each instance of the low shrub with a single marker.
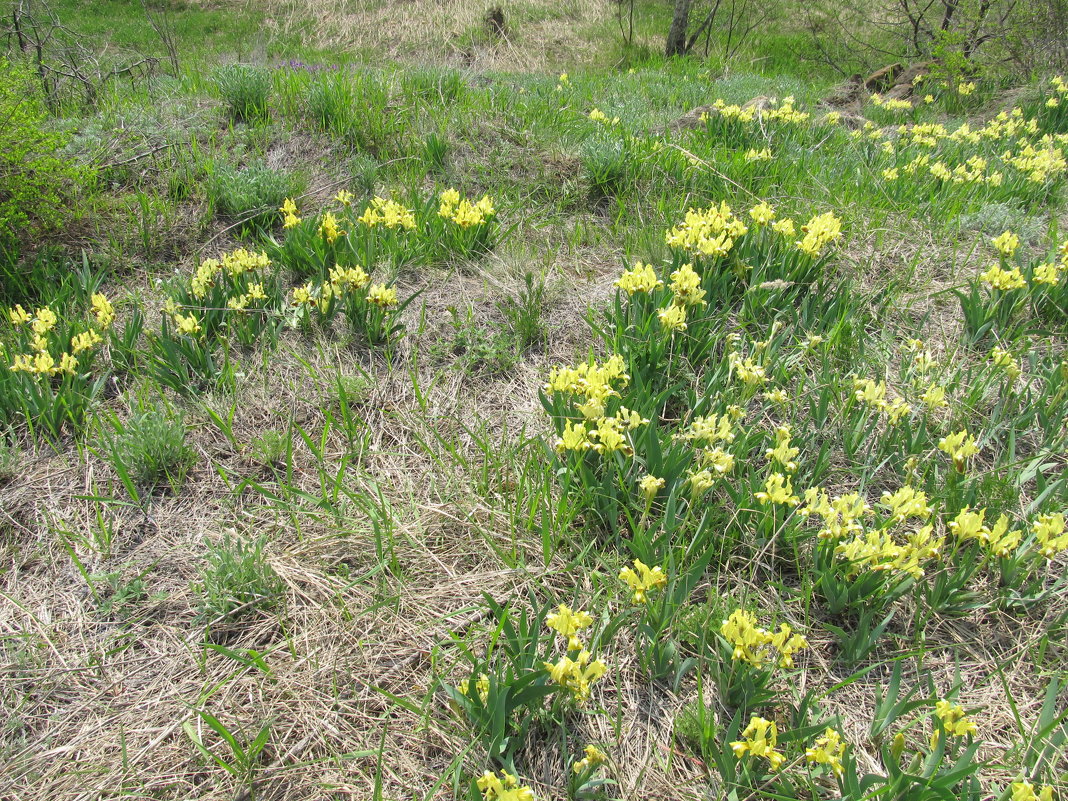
(38, 186)
(251, 195)
(246, 91)
(148, 449)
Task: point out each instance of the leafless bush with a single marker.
(693, 24)
(1039, 41)
(858, 34)
(67, 67)
(163, 24)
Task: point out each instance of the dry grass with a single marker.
(96, 709)
(94, 705)
(540, 34)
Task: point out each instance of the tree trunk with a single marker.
(676, 38)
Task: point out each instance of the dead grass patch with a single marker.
(540, 34)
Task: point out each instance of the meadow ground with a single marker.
(364, 342)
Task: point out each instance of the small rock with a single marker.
(883, 79)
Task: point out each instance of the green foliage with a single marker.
(118, 597)
(236, 578)
(658, 648)
(434, 87)
(38, 185)
(269, 449)
(156, 216)
(363, 169)
(354, 107)
(997, 302)
(503, 698)
(458, 226)
(374, 315)
(54, 358)
(847, 591)
(124, 344)
(309, 251)
(492, 349)
(10, 457)
(242, 761)
(771, 338)
(331, 105)
(147, 450)
(523, 312)
(245, 90)
(252, 195)
(478, 348)
(860, 636)
(187, 363)
(695, 725)
(232, 301)
(994, 217)
(42, 276)
(350, 391)
(945, 767)
(332, 248)
(1049, 106)
(609, 165)
(435, 153)
(235, 297)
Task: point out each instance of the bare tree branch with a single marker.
(64, 63)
